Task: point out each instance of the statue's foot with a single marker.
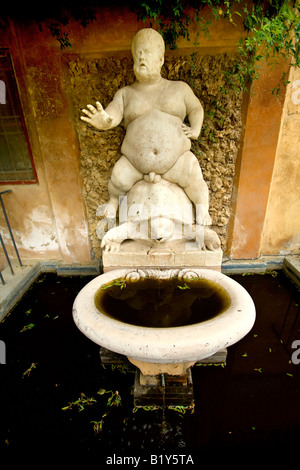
(211, 239)
(110, 246)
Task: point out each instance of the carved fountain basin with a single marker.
(159, 348)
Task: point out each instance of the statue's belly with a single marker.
(154, 141)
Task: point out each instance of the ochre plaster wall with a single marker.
(257, 158)
(48, 218)
(281, 231)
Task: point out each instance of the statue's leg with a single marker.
(123, 177)
(186, 172)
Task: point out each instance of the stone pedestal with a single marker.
(180, 254)
(162, 389)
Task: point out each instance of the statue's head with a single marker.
(148, 49)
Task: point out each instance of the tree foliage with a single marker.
(272, 29)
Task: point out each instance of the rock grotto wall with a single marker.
(216, 149)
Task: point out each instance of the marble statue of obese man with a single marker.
(157, 142)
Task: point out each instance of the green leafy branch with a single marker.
(170, 18)
(273, 35)
(272, 30)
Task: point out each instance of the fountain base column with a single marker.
(164, 390)
(153, 369)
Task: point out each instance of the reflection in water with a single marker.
(162, 302)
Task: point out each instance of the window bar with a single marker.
(8, 225)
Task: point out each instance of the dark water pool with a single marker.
(56, 397)
(159, 303)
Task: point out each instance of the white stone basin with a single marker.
(180, 344)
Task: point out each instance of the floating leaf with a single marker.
(27, 327)
(28, 371)
(185, 286)
(114, 400)
(97, 426)
(80, 402)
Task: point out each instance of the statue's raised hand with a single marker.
(97, 117)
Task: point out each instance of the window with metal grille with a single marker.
(16, 163)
